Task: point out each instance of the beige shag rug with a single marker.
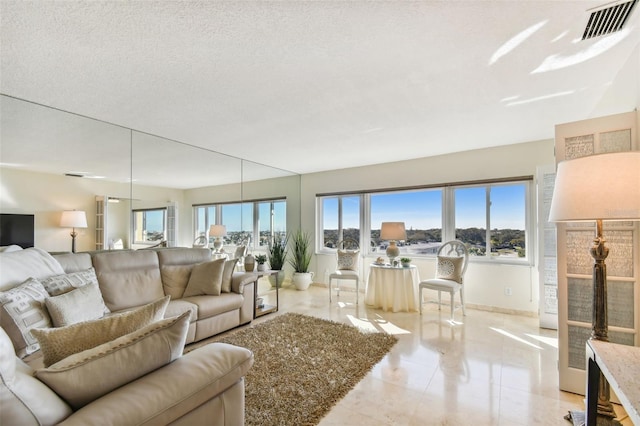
(303, 366)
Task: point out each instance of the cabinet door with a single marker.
(614, 133)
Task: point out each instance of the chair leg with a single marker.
(452, 306)
(420, 299)
(357, 291)
(439, 301)
(462, 302)
(330, 291)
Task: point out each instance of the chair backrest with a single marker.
(455, 248)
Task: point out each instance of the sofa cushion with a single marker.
(82, 304)
(229, 267)
(59, 343)
(23, 398)
(206, 278)
(74, 262)
(88, 375)
(176, 265)
(17, 266)
(21, 309)
(212, 306)
(128, 279)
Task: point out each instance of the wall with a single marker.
(485, 281)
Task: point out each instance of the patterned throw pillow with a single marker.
(81, 304)
(59, 343)
(348, 260)
(450, 268)
(21, 309)
(64, 283)
(88, 375)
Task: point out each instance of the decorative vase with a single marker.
(302, 280)
(280, 279)
(262, 267)
(249, 263)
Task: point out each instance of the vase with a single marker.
(249, 263)
(302, 280)
(279, 280)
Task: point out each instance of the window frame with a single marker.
(134, 213)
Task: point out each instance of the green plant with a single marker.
(405, 260)
(301, 255)
(261, 258)
(278, 253)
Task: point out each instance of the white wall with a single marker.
(485, 282)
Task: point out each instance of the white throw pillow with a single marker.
(59, 343)
(21, 309)
(82, 304)
(348, 260)
(88, 375)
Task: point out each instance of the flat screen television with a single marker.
(17, 229)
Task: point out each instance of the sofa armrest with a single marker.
(172, 391)
(240, 279)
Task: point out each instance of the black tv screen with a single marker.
(17, 229)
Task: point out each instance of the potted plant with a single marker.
(277, 255)
(300, 260)
(261, 260)
(405, 261)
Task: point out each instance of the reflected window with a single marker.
(150, 225)
(340, 220)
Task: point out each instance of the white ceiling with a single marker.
(320, 85)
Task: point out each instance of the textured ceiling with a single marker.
(312, 86)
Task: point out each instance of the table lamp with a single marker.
(393, 231)
(217, 231)
(73, 219)
(597, 188)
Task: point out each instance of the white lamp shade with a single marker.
(73, 219)
(217, 231)
(393, 231)
(597, 187)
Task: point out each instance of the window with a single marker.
(491, 218)
(255, 222)
(149, 225)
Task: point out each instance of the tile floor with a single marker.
(487, 369)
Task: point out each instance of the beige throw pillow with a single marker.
(88, 375)
(227, 275)
(175, 279)
(59, 343)
(206, 278)
(82, 304)
(21, 309)
(450, 268)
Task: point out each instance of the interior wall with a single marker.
(485, 281)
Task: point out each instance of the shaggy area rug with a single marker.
(303, 366)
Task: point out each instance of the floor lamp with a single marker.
(73, 219)
(598, 188)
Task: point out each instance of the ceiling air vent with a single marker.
(608, 19)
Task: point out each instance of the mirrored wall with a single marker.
(52, 161)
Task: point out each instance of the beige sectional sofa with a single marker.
(204, 386)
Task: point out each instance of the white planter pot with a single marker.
(262, 266)
(302, 280)
(272, 279)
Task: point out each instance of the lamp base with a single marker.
(217, 245)
(392, 251)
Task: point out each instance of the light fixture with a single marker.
(393, 231)
(596, 188)
(73, 219)
(217, 231)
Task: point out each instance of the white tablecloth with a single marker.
(393, 289)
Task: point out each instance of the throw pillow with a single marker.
(82, 304)
(21, 309)
(59, 343)
(64, 283)
(175, 279)
(206, 278)
(88, 375)
(227, 275)
(450, 268)
(348, 260)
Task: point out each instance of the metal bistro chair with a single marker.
(453, 259)
(347, 265)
